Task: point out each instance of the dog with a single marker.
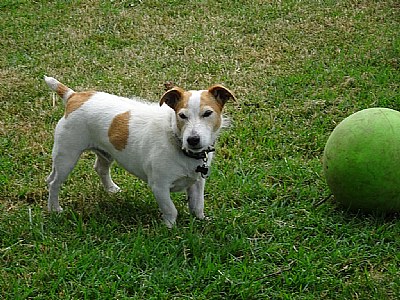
(168, 145)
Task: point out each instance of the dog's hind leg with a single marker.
(63, 163)
(102, 167)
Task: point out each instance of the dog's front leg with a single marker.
(167, 207)
(196, 198)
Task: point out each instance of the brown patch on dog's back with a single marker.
(118, 132)
(75, 101)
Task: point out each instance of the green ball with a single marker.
(361, 161)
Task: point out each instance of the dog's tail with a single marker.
(62, 90)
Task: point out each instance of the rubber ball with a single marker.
(361, 161)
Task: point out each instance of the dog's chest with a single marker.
(182, 183)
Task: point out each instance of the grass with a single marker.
(297, 68)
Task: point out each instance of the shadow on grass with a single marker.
(352, 214)
(123, 209)
(98, 209)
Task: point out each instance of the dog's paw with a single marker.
(113, 189)
(201, 216)
(57, 209)
(169, 222)
(169, 225)
(198, 213)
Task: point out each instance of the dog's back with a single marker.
(124, 128)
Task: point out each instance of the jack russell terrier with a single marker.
(169, 147)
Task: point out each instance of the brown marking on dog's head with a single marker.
(214, 99)
(75, 101)
(176, 98)
(207, 103)
(208, 100)
(118, 132)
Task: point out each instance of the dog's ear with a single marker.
(221, 94)
(172, 97)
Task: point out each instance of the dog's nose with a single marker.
(193, 140)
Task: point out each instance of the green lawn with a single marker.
(297, 69)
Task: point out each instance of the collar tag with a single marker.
(203, 170)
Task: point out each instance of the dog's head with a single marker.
(198, 114)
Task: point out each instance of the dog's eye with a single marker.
(182, 116)
(207, 113)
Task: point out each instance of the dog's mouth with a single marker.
(196, 144)
(193, 149)
(198, 153)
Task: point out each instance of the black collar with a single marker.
(203, 169)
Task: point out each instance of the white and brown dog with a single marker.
(169, 147)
